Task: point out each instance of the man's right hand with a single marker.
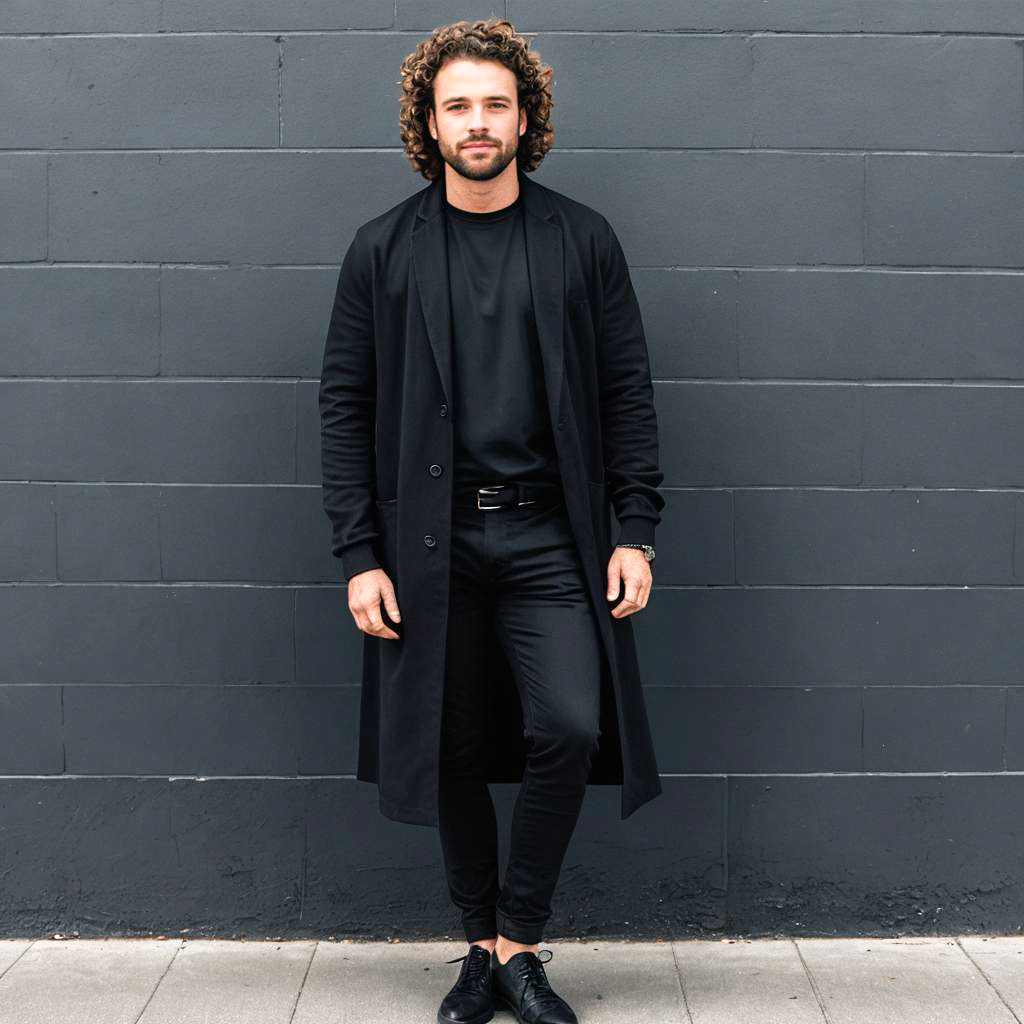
(366, 590)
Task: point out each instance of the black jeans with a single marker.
(519, 567)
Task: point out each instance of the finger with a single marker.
(378, 627)
(624, 608)
(367, 624)
(614, 574)
(373, 618)
(391, 603)
(358, 617)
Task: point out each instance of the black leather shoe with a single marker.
(522, 987)
(469, 1001)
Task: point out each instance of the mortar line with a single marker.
(63, 736)
(919, 269)
(1006, 715)
(863, 753)
(639, 33)
(160, 320)
(47, 217)
(295, 656)
(725, 844)
(1020, 43)
(280, 88)
(864, 210)
(850, 152)
(732, 509)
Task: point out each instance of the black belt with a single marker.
(508, 494)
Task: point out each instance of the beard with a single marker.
(489, 163)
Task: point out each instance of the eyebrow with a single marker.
(465, 99)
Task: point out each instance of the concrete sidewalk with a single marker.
(959, 980)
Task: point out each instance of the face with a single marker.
(475, 102)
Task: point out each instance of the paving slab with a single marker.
(957, 980)
(612, 982)
(10, 950)
(101, 981)
(373, 983)
(255, 982)
(604, 982)
(900, 981)
(732, 980)
(1001, 959)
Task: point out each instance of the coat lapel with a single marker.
(547, 282)
(430, 269)
(544, 256)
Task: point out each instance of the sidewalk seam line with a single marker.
(988, 981)
(679, 981)
(302, 984)
(811, 981)
(159, 982)
(32, 942)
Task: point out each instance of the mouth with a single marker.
(478, 145)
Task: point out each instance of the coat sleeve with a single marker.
(629, 423)
(348, 399)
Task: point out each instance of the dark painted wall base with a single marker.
(715, 855)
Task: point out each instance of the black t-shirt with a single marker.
(502, 429)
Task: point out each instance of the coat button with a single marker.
(444, 410)
(435, 470)
(430, 540)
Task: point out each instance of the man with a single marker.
(486, 400)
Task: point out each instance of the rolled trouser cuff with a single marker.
(528, 935)
(480, 925)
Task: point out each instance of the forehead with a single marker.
(467, 76)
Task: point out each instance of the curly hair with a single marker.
(493, 39)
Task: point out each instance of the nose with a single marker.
(478, 123)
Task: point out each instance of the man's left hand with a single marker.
(629, 566)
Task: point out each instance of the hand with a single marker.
(629, 565)
(366, 590)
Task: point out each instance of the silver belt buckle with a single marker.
(489, 490)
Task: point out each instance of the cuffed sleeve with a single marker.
(636, 530)
(358, 558)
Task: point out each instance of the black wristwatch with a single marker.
(647, 550)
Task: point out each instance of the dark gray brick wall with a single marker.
(823, 210)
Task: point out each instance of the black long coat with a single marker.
(387, 454)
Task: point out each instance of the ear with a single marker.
(522, 120)
(432, 124)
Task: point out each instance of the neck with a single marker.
(481, 196)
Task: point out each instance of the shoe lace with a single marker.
(477, 959)
(531, 970)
